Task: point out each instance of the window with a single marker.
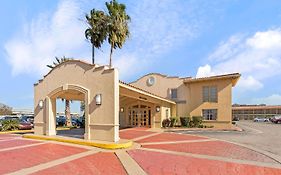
(210, 114)
(210, 94)
(174, 93)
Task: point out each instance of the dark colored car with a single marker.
(61, 121)
(276, 119)
(28, 119)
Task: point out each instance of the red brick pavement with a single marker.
(30, 156)
(132, 134)
(156, 163)
(17, 142)
(215, 148)
(99, 163)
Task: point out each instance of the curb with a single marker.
(111, 146)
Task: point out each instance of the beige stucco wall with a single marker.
(102, 122)
(190, 100)
(196, 104)
(162, 84)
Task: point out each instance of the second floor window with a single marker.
(210, 94)
(174, 93)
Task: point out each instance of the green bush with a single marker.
(166, 123)
(185, 121)
(197, 120)
(174, 120)
(8, 125)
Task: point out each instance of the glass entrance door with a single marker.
(140, 115)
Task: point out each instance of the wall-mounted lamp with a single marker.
(157, 108)
(121, 109)
(41, 104)
(98, 99)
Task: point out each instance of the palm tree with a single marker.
(118, 29)
(68, 122)
(96, 32)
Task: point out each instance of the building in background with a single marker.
(249, 112)
(209, 97)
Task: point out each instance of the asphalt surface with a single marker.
(265, 136)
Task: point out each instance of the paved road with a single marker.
(264, 136)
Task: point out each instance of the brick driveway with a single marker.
(153, 153)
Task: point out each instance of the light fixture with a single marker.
(157, 108)
(98, 99)
(41, 104)
(121, 109)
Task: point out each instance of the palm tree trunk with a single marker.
(93, 54)
(110, 57)
(67, 114)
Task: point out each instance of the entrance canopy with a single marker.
(142, 108)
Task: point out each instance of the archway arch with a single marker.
(69, 92)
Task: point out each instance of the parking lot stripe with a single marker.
(53, 163)
(248, 162)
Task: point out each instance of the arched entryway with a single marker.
(68, 92)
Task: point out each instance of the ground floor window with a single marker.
(210, 114)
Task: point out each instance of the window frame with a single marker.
(210, 112)
(175, 90)
(210, 94)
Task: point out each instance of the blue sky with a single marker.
(174, 37)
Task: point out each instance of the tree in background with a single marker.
(96, 32)
(118, 29)
(5, 110)
(112, 26)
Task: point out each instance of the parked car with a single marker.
(276, 119)
(261, 119)
(61, 121)
(25, 125)
(28, 118)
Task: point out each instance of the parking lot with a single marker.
(260, 135)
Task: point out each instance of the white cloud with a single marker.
(274, 99)
(257, 57)
(204, 71)
(154, 32)
(45, 37)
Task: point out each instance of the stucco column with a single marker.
(87, 120)
(50, 116)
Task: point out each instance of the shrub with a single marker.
(197, 120)
(174, 120)
(166, 123)
(185, 121)
(8, 125)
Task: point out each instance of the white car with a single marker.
(261, 120)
